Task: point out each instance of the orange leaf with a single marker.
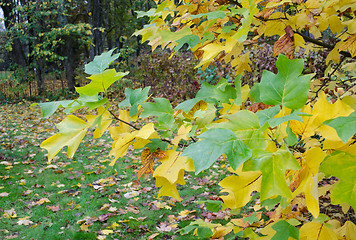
(285, 44)
(147, 159)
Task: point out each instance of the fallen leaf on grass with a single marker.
(84, 227)
(27, 192)
(104, 207)
(53, 208)
(4, 194)
(10, 213)
(107, 232)
(12, 236)
(153, 236)
(42, 201)
(131, 194)
(25, 222)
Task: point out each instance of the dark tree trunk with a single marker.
(69, 65)
(96, 20)
(69, 62)
(39, 76)
(17, 53)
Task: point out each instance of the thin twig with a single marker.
(116, 118)
(326, 81)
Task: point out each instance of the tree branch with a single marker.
(120, 120)
(326, 81)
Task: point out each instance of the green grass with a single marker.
(81, 186)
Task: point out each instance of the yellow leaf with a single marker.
(322, 111)
(107, 231)
(350, 45)
(308, 177)
(229, 108)
(11, 213)
(168, 189)
(172, 165)
(122, 128)
(104, 123)
(84, 227)
(71, 132)
(42, 201)
(182, 134)
(316, 231)
(121, 145)
(348, 231)
(240, 188)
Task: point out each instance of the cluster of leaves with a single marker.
(276, 150)
(219, 29)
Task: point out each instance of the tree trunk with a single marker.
(69, 65)
(38, 69)
(17, 54)
(96, 20)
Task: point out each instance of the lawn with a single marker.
(83, 197)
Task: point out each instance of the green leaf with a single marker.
(100, 82)
(209, 15)
(273, 166)
(255, 93)
(245, 124)
(92, 102)
(192, 40)
(71, 132)
(213, 206)
(187, 105)
(162, 110)
(220, 93)
(214, 143)
(343, 166)
(204, 232)
(274, 122)
(291, 137)
(100, 63)
(251, 219)
(267, 114)
(344, 126)
(48, 108)
(207, 36)
(270, 203)
(156, 143)
(287, 88)
(284, 231)
(149, 13)
(134, 98)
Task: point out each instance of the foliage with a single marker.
(84, 197)
(278, 148)
(172, 77)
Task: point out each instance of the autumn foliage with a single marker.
(275, 141)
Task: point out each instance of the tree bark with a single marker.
(17, 54)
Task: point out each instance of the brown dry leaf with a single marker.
(147, 159)
(53, 208)
(285, 44)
